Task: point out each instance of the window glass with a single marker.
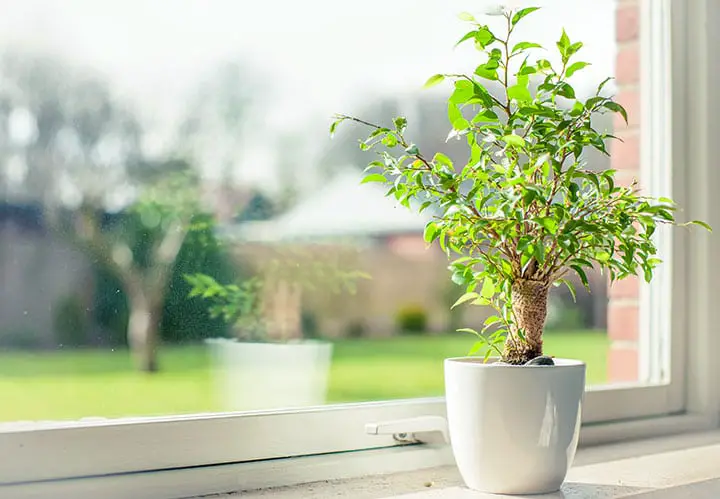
(179, 234)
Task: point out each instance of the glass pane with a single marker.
(146, 152)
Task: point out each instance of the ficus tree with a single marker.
(523, 211)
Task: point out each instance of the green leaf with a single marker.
(465, 298)
(476, 347)
(456, 118)
(570, 287)
(614, 106)
(524, 46)
(549, 224)
(519, 93)
(431, 232)
(466, 16)
(400, 123)
(489, 73)
(583, 277)
(493, 319)
(514, 140)
(488, 289)
(702, 224)
(466, 37)
(487, 355)
(468, 330)
(442, 159)
(483, 37)
(333, 127)
(434, 80)
(565, 90)
(522, 13)
(602, 256)
(412, 149)
(563, 43)
(373, 177)
(574, 67)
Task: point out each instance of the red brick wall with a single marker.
(623, 306)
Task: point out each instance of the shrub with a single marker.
(71, 321)
(412, 319)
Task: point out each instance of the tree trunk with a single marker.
(529, 305)
(143, 326)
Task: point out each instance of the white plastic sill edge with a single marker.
(292, 473)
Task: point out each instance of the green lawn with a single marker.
(75, 384)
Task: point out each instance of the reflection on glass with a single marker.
(178, 234)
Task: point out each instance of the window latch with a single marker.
(423, 429)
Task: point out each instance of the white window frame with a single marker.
(186, 455)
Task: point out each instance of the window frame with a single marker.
(70, 456)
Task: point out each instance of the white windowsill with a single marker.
(683, 466)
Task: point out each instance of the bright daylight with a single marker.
(412, 249)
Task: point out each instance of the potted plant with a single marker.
(518, 216)
(269, 363)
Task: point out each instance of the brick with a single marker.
(627, 22)
(623, 320)
(623, 364)
(625, 155)
(627, 68)
(626, 289)
(630, 100)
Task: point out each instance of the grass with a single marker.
(84, 383)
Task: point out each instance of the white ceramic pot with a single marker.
(513, 429)
(260, 376)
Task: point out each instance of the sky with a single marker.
(313, 57)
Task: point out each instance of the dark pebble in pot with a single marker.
(543, 360)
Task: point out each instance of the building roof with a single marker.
(343, 208)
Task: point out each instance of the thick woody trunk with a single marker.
(529, 304)
(143, 326)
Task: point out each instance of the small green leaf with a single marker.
(412, 149)
(549, 224)
(524, 46)
(434, 80)
(333, 127)
(514, 140)
(476, 347)
(468, 330)
(522, 13)
(493, 319)
(702, 224)
(465, 298)
(374, 177)
(431, 232)
(466, 16)
(400, 123)
(563, 43)
(574, 67)
(488, 289)
(565, 90)
(483, 37)
(583, 277)
(519, 93)
(614, 106)
(466, 37)
(570, 287)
